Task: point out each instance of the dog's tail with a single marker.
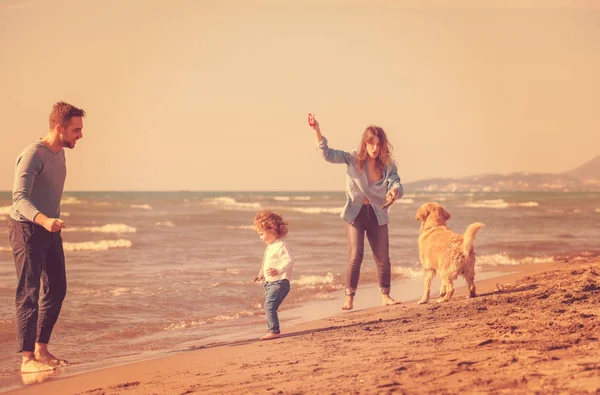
(469, 237)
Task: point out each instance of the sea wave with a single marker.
(101, 245)
(129, 291)
(245, 227)
(407, 272)
(499, 203)
(141, 206)
(108, 228)
(317, 210)
(597, 210)
(288, 198)
(105, 204)
(165, 224)
(504, 259)
(3, 217)
(5, 210)
(5, 249)
(312, 280)
(405, 201)
(71, 200)
(219, 318)
(231, 204)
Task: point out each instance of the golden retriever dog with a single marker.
(444, 252)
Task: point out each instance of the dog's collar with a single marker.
(432, 227)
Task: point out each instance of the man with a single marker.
(34, 232)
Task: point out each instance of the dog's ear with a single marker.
(444, 213)
(422, 213)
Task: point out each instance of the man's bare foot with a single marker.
(386, 300)
(270, 336)
(349, 303)
(33, 366)
(43, 355)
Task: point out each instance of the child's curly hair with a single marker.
(270, 221)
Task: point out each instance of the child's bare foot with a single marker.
(33, 366)
(270, 336)
(386, 300)
(43, 355)
(349, 303)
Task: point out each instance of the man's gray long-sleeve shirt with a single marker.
(39, 181)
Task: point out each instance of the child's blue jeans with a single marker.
(275, 293)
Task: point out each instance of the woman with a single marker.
(371, 180)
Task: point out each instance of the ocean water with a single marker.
(152, 271)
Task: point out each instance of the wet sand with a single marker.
(533, 330)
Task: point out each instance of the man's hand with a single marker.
(272, 271)
(257, 278)
(53, 224)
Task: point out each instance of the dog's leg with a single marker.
(471, 284)
(449, 290)
(442, 290)
(427, 286)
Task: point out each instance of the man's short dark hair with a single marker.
(62, 113)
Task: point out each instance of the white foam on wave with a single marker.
(288, 198)
(312, 280)
(165, 224)
(219, 318)
(405, 201)
(597, 210)
(317, 210)
(504, 259)
(3, 217)
(245, 227)
(231, 204)
(141, 206)
(5, 210)
(5, 249)
(71, 200)
(108, 228)
(101, 245)
(528, 204)
(499, 204)
(128, 291)
(407, 272)
(183, 324)
(65, 214)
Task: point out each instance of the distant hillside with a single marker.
(584, 178)
(589, 171)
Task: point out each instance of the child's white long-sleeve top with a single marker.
(279, 257)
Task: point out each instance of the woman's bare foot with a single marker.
(33, 366)
(349, 303)
(386, 300)
(43, 355)
(270, 336)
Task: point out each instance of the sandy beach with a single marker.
(534, 330)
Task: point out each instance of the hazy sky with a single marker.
(213, 95)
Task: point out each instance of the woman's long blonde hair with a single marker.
(384, 158)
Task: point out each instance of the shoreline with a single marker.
(211, 360)
(405, 290)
